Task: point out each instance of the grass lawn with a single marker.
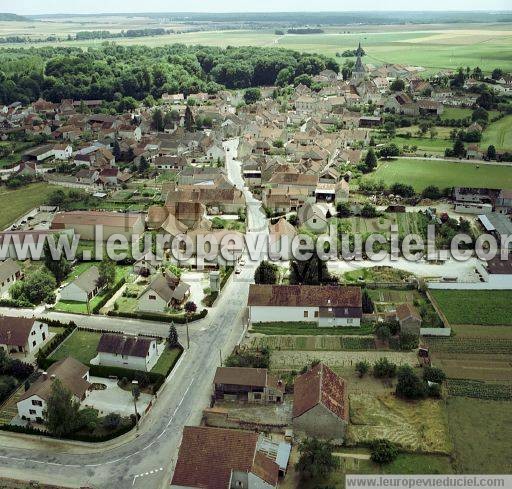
(499, 134)
(166, 361)
(422, 173)
(455, 113)
(481, 435)
(291, 328)
(16, 203)
(424, 145)
(484, 307)
(81, 345)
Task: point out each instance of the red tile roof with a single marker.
(207, 457)
(320, 385)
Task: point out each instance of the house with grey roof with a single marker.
(10, 272)
(164, 291)
(83, 288)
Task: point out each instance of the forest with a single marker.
(113, 72)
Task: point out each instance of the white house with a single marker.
(83, 288)
(73, 375)
(127, 352)
(326, 305)
(164, 291)
(22, 335)
(216, 152)
(62, 151)
(10, 272)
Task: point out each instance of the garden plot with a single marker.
(314, 343)
(417, 426)
(295, 360)
(475, 366)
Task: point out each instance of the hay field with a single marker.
(416, 426)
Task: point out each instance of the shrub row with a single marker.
(42, 354)
(14, 303)
(72, 436)
(108, 296)
(149, 316)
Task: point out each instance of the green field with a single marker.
(480, 432)
(422, 173)
(166, 361)
(16, 203)
(499, 134)
(424, 145)
(431, 46)
(486, 307)
(292, 328)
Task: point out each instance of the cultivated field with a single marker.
(480, 431)
(422, 173)
(431, 46)
(314, 343)
(486, 307)
(419, 426)
(483, 367)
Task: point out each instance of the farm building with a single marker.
(320, 404)
(409, 318)
(326, 305)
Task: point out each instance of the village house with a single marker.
(72, 374)
(99, 225)
(83, 288)
(409, 319)
(253, 385)
(22, 335)
(164, 291)
(219, 458)
(325, 305)
(10, 272)
(135, 353)
(320, 404)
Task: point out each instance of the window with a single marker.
(257, 396)
(152, 297)
(37, 403)
(316, 314)
(34, 343)
(306, 314)
(32, 411)
(350, 320)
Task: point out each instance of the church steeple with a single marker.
(359, 50)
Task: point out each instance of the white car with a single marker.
(238, 271)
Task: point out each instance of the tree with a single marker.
(172, 337)
(252, 95)
(107, 274)
(369, 211)
(370, 160)
(310, 272)
(497, 73)
(190, 307)
(383, 368)
(117, 150)
(480, 115)
(397, 85)
(389, 151)
(316, 460)
(367, 301)
(433, 374)
(390, 128)
(143, 165)
(57, 197)
(60, 268)
(158, 120)
(61, 414)
(458, 149)
(383, 451)
(362, 368)
(266, 273)
(409, 385)
(343, 209)
(36, 288)
(189, 120)
(402, 189)
(491, 152)
(303, 80)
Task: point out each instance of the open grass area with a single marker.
(16, 203)
(422, 173)
(424, 145)
(166, 361)
(484, 307)
(480, 431)
(416, 426)
(292, 328)
(455, 113)
(499, 134)
(81, 345)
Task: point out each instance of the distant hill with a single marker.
(11, 17)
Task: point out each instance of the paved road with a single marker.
(145, 461)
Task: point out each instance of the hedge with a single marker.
(14, 303)
(42, 354)
(72, 436)
(108, 296)
(149, 316)
(227, 274)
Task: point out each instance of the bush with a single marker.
(383, 451)
(111, 421)
(383, 368)
(433, 374)
(159, 317)
(383, 333)
(362, 368)
(408, 341)
(108, 296)
(409, 385)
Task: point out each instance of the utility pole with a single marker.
(220, 355)
(188, 336)
(135, 395)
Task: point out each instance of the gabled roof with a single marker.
(88, 280)
(14, 330)
(8, 268)
(69, 371)
(124, 345)
(320, 385)
(208, 456)
(406, 311)
(304, 295)
(256, 377)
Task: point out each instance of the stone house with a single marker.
(409, 318)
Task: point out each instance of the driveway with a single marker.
(198, 281)
(113, 399)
